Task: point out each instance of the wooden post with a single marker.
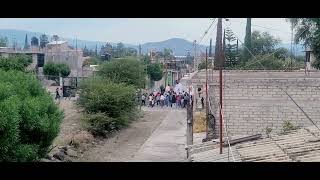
(190, 122)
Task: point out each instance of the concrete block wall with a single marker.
(253, 101)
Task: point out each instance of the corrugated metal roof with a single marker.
(302, 145)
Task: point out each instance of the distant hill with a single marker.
(178, 45)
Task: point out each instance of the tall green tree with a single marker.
(26, 43)
(43, 41)
(155, 71)
(167, 53)
(230, 48)
(3, 41)
(247, 41)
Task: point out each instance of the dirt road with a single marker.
(158, 136)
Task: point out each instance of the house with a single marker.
(61, 52)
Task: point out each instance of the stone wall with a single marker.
(253, 101)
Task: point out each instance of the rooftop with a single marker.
(57, 42)
(302, 145)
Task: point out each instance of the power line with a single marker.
(258, 61)
(206, 32)
(285, 90)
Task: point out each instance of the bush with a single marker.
(17, 62)
(29, 119)
(109, 106)
(124, 70)
(52, 69)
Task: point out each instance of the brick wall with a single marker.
(253, 101)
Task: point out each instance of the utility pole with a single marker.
(195, 56)
(219, 61)
(291, 48)
(207, 104)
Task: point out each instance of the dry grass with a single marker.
(199, 124)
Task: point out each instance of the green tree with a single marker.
(127, 70)
(155, 71)
(26, 43)
(230, 48)
(263, 43)
(3, 41)
(43, 40)
(247, 41)
(34, 41)
(29, 118)
(120, 50)
(282, 53)
(167, 53)
(308, 32)
(55, 38)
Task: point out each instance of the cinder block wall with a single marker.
(253, 101)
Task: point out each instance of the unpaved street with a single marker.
(158, 136)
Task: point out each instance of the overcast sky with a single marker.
(141, 30)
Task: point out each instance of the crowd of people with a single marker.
(168, 97)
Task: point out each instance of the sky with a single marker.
(142, 30)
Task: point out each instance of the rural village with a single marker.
(232, 100)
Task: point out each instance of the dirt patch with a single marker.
(72, 132)
(123, 145)
(199, 122)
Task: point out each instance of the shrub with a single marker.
(288, 126)
(124, 70)
(55, 70)
(109, 106)
(29, 119)
(16, 62)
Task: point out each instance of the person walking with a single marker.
(150, 100)
(158, 99)
(153, 101)
(202, 102)
(57, 94)
(143, 100)
(167, 96)
(178, 100)
(173, 101)
(162, 98)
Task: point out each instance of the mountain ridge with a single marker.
(179, 46)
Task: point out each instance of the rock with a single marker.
(72, 153)
(59, 155)
(67, 159)
(49, 157)
(45, 160)
(63, 147)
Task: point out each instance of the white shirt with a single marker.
(162, 97)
